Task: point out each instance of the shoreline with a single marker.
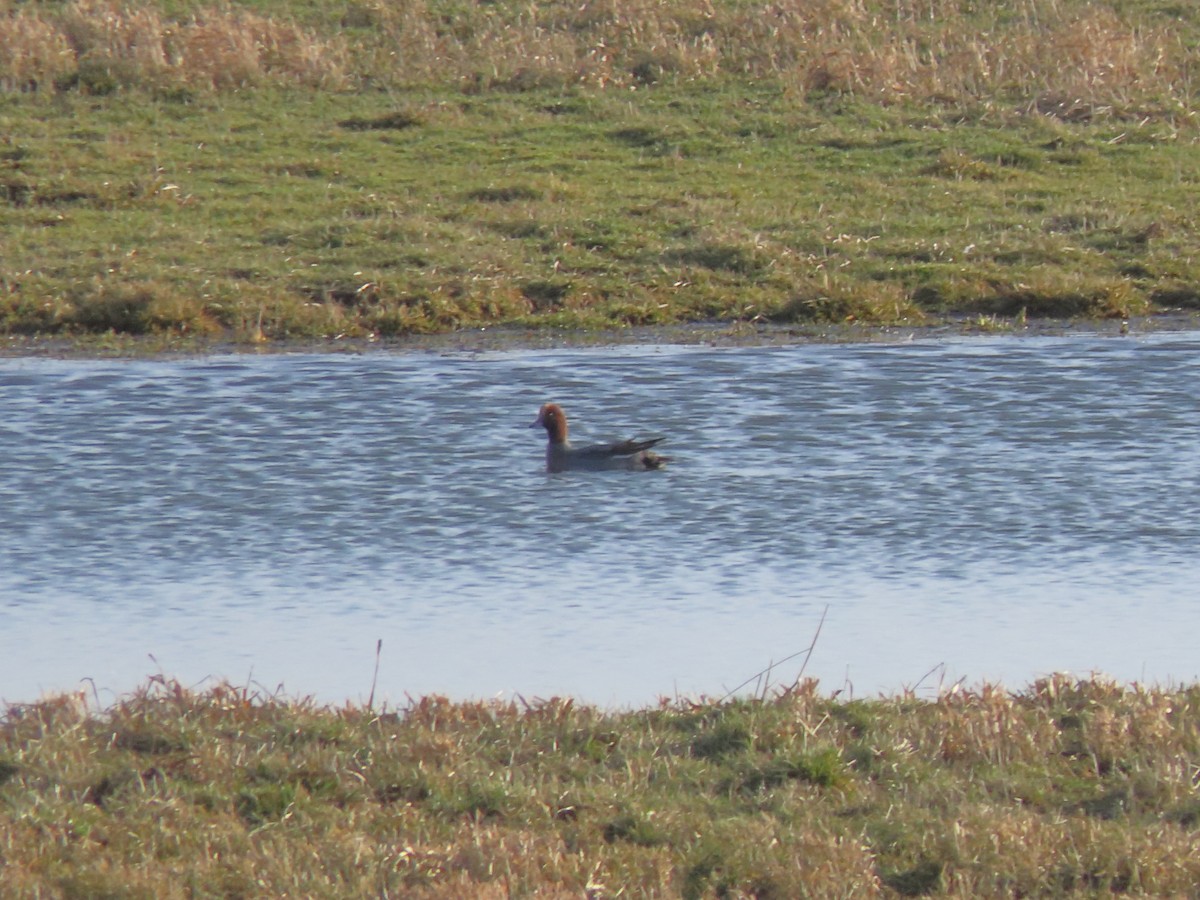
(505, 338)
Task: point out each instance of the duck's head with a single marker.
(554, 420)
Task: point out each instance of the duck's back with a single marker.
(626, 455)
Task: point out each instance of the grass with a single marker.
(1069, 788)
(278, 170)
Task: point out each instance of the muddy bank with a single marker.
(502, 338)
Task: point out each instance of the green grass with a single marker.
(338, 190)
(1068, 788)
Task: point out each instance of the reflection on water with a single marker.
(1005, 507)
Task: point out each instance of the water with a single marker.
(976, 509)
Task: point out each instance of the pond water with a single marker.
(982, 508)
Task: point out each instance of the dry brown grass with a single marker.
(97, 45)
(1070, 788)
(1066, 58)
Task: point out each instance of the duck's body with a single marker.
(562, 457)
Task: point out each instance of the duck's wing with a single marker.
(625, 448)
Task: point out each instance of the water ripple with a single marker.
(1004, 506)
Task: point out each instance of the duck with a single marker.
(630, 455)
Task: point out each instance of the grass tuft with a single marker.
(921, 880)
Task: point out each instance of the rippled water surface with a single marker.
(981, 508)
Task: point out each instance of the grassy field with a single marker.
(274, 169)
(1066, 789)
(270, 170)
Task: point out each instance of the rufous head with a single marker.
(554, 420)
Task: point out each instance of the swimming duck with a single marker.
(562, 457)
